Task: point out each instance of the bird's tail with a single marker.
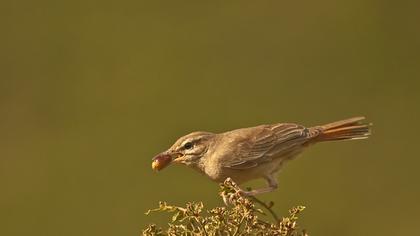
(347, 129)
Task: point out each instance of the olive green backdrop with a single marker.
(91, 91)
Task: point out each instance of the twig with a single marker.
(238, 226)
(202, 226)
(276, 218)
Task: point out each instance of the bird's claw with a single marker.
(231, 197)
(245, 193)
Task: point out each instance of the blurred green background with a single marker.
(90, 91)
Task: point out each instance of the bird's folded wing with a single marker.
(265, 143)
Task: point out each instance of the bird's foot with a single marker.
(246, 193)
(232, 197)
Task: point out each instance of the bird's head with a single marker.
(186, 150)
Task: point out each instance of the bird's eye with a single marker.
(188, 145)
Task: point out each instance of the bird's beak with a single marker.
(162, 160)
(177, 157)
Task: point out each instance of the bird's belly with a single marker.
(217, 172)
(238, 176)
(220, 174)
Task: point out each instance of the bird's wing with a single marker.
(266, 143)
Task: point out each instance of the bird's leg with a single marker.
(272, 185)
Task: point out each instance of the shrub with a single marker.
(240, 217)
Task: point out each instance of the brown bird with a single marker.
(256, 152)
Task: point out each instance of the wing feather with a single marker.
(266, 143)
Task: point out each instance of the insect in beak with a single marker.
(163, 160)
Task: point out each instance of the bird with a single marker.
(256, 152)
